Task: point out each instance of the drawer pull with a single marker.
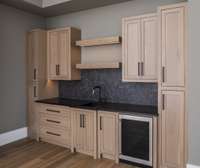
(54, 111)
(52, 121)
(51, 133)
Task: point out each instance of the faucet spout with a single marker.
(93, 92)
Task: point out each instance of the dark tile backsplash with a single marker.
(113, 89)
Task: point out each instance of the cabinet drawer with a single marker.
(57, 136)
(55, 121)
(54, 110)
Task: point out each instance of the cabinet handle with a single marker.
(100, 123)
(138, 68)
(163, 102)
(58, 69)
(83, 120)
(51, 133)
(35, 91)
(80, 120)
(53, 111)
(163, 74)
(52, 121)
(142, 68)
(34, 74)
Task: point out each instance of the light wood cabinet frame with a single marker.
(63, 54)
(108, 135)
(139, 48)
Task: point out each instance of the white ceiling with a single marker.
(46, 3)
(50, 8)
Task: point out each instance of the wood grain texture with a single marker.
(63, 54)
(139, 48)
(31, 154)
(37, 85)
(99, 41)
(112, 65)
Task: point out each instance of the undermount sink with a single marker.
(91, 104)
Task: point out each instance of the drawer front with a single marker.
(54, 110)
(54, 121)
(56, 136)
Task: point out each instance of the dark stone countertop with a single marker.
(104, 106)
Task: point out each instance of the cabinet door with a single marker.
(131, 49)
(64, 54)
(107, 132)
(172, 127)
(149, 48)
(36, 56)
(84, 132)
(52, 53)
(30, 60)
(173, 46)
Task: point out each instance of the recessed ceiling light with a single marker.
(46, 3)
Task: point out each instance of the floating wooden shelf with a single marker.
(113, 65)
(99, 41)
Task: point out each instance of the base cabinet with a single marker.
(84, 131)
(54, 124)
(108, 135)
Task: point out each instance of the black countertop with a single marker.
(104, 106)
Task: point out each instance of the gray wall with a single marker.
(194, 82)
(106, 21)
(13, 27)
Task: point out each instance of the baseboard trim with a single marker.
(192, 166)
(13, 136)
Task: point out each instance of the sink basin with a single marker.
(92, 104)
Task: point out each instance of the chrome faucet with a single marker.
(93, 92)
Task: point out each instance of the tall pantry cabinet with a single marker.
(38, 85)
(172, 85)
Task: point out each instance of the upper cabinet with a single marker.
(63, 54)
(172, 45)
(36, 53)
(139, 51)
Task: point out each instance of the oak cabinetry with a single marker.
(84, 131)
(37, 84)
(63, 54)
(172, 90)
(139, 51)
(108, 135)
(172, 125)
(54, 124)
(173, 26)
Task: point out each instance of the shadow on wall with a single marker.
(113, 89)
